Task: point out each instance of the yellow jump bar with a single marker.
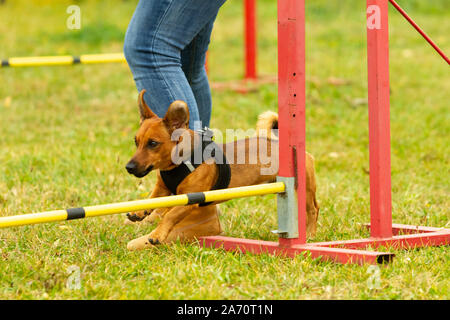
(63, 60)
(153, 203)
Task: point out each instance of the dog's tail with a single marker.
(267, 125)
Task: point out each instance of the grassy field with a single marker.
(66, 134)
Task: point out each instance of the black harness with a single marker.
(207, 149)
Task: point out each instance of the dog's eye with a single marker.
(152, 144)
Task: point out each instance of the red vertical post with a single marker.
(291, 103)
(379, 121)
(250, 39)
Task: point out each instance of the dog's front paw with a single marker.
(138, 215)
(157, 237)
(139, 243)
(154, 241)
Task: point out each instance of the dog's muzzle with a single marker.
(132, 168)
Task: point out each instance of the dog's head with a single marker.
(154, 138)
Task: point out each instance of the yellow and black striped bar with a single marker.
(62, 60)
(146, 204)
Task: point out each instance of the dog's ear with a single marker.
(177, 116)
(144, 109)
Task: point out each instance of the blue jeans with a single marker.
(165, 47)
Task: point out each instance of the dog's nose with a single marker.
(131, 166)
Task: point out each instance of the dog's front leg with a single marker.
(155, 216)
(159, 235)
(160, 190)
(170, 219)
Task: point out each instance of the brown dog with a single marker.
(155, 149)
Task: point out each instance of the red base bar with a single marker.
(348, 251)
(340, 255)
(408, 229)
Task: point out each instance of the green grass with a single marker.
(67, 132)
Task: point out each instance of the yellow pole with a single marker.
(62, 60)
(102, 58)
(153, 203)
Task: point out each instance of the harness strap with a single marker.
(173, 178)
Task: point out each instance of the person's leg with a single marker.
(158, 32)
(193, 59)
